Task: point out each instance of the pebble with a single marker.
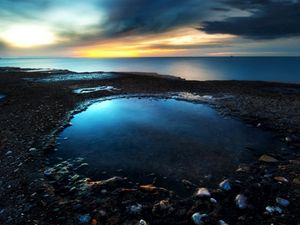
(197, 218)
(8, 153)
(273, 209)
(241, 201)
(283, 202)
(212, 200)
(48, 172)
(82, 165)
(94, 222)
(222, 222)
(203, 192)
(102, 213)
(135, 209)
(281, 179)
(225, 185)
(296, 181)
(288, 139)
(142, 222)
(32, 149)
(267, 158)
(85, 218)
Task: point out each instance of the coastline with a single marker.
(32, 112)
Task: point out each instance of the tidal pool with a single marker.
(75, 76)
(143, 138)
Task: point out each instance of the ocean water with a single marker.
(282, 69)
(132, 136)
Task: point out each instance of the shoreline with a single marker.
(32, 111)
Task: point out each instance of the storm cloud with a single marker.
(268, 20)
(81, 23)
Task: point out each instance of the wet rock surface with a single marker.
(34, 191)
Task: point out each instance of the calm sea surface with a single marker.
(284, 69)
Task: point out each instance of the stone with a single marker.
(282, 202)
(288, 139)
(225, 185)
(114, 181)
(203, 192)
(267, 158)
(135, 209)
(197, 218)
(8, 153)
(241, 201)
(281, 179)
(296, 181)
(212, 200)
(148, 188)
(142, 222)
(273, 210)
(162, 208)
(48, 172)
(94, 222)
(85, 218)
(222, 222)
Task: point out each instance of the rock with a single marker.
(288, 139)
(85, 218)
(267, 158)
(82, 165)
(222, 222)
(281, 179)
(241, 201)
(197, 218)
(203, 192)
(8, 153)
(212, 200)
(33, 151)
(48, 172)
(102, 213)
(187, 183)
(243, 168)
(273, 209)
(296, 181)
(148, 187)
(162, 208)
(142, 222)
(283, 202)
(225, 185)
(135, 209)
(114, 181)
(94, 222)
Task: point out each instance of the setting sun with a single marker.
(26, 36)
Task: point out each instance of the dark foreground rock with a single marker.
(33, 191)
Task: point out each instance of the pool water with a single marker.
(171, 140)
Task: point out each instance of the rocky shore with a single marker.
(33, 191)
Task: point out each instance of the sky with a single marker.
(149, 28)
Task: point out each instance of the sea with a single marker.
(278, 69)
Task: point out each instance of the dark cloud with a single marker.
(143, 16)
(255, 19)
(193, 46)
(268, 20)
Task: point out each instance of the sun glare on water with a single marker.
(27, 36)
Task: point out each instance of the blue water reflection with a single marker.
(174, 139)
